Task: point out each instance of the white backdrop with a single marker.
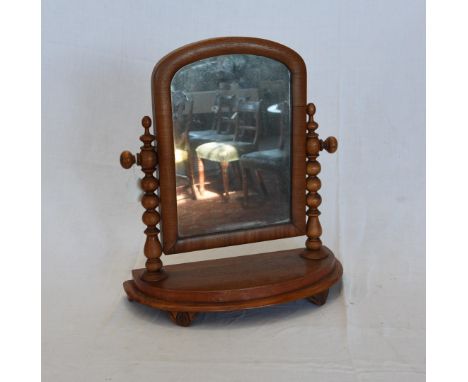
(366, 69)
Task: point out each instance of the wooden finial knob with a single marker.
(146, 122)
(330, 144)
(311, 109)
(127, 159)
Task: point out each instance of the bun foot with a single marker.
(182, 318)
(319, 299)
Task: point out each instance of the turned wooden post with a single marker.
(313, 199)
(147, 159)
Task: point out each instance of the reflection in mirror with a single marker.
(232, 128)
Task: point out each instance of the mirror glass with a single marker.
(232, 128)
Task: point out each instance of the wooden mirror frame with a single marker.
(162, 77)
(234, 283)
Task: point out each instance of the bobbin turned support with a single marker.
(313, 199)
(147, 159)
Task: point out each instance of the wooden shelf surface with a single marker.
(238, 282)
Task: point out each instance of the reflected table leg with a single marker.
(201, 175)
(224, 171)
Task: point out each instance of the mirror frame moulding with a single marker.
(161, 79)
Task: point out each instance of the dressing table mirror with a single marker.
(232, 159)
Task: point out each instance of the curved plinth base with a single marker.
(237, 283)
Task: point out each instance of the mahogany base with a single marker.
(237, 283)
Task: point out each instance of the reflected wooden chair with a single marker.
(245, 140)
(222, 128)
(275, 160)
(182, 114)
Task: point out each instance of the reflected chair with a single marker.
(245, 140)
(182, 112)
(222, 128)
(274, 160)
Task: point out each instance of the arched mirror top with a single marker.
(228, 112)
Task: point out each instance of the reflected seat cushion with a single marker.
(199, 137)
(274, 158)
(223, 151)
